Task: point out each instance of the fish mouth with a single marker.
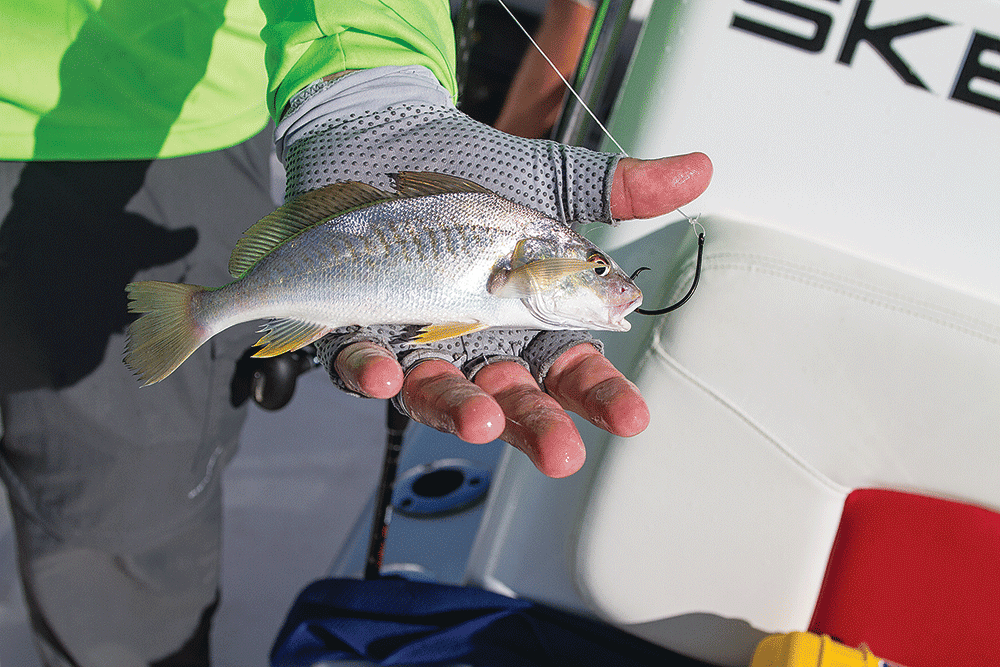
(621, 310)
(629, 305)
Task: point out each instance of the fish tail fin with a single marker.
(167, 333)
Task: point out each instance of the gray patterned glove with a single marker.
(371, 123)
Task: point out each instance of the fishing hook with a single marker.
(694, 283)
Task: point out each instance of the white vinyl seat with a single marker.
(799, 374)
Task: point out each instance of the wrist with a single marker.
(355, 92)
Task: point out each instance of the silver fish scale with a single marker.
(408, 261)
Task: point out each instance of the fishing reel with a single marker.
(270, 381)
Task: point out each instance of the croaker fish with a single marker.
(441, 253)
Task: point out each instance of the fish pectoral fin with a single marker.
(528, 250)
(287, 335)
(433, 333)
(526, 280)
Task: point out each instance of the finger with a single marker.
(437, 394)
(647, 188)
(369, 369)
(585, 382)
(536, 423)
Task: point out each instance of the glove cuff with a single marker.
(548, 346)
(356, 94)
(329, 346)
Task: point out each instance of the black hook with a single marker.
(694, 283)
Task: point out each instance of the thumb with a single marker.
(647, 188)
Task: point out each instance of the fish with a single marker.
(441, 254)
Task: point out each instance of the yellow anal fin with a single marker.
(287, 335)
(438, 332)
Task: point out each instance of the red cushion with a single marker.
(917, 579)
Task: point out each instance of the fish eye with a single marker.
(602, 267)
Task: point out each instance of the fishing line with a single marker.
(695, 225)
(563, 79)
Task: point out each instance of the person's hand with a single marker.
(512, 384)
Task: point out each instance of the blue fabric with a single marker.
(393, 621)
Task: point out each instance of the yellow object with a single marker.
(804, 649)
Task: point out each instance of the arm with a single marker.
(532, 104)
(309, 40)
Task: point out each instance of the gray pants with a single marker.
(114, 490)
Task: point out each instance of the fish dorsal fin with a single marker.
(294, 217)
(424, 183)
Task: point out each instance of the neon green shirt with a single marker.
(138, 79)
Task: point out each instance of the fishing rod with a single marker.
(395, 421)
(395, 427)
